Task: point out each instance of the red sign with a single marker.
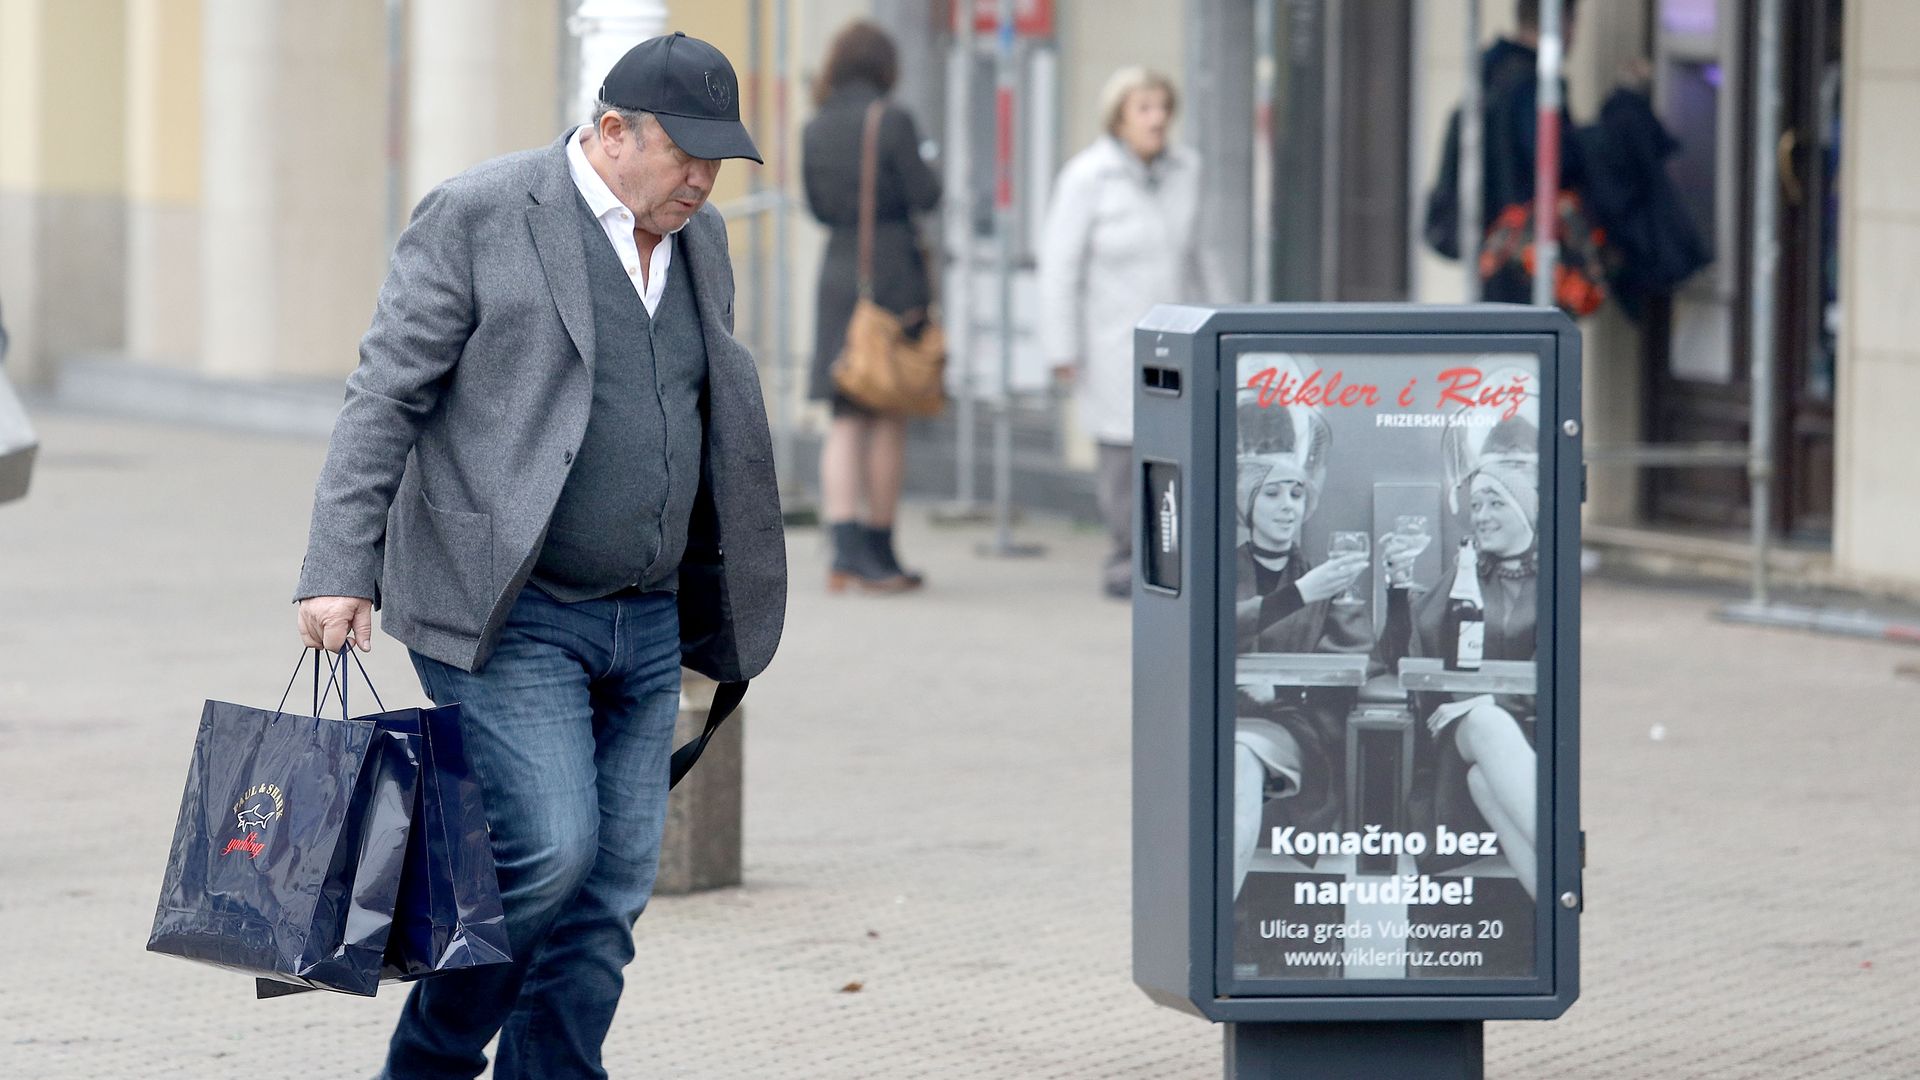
(1031, 18)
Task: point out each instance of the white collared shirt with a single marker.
(617, 221)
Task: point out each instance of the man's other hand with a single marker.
(328, 622)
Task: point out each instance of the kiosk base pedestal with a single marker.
(1436, 1050)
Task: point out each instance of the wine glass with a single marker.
(1413, 535)
(1349, 543)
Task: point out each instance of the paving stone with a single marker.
(936, 808)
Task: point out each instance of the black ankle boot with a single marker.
(880, 543)
(847, 546)
(855, 563)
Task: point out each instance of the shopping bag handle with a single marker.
(336, 677)
(346, 650)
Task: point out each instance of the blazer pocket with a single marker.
(446, 567)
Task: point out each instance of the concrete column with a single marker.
(701, 849)
(605, 30)
(1612, 382)
(240, 294)
(62, 180)
(1218, 121)
(293, 179)
(480, 83)
(1877, 507)
(1607, 37)
(163, 181)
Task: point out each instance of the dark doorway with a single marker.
(1697, 347)
(1809, 153)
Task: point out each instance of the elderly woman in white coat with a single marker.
(1121, 236)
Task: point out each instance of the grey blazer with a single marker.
(471, 396)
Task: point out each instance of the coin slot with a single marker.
(1161, 380)
(1160, 521)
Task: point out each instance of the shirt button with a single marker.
(567, 456)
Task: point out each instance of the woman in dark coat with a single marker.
(864, 455)
(1289, 742)
(1474, 761)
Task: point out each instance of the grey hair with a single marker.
(1126, 82)
(633, 118)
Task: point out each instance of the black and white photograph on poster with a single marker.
(1385, 779)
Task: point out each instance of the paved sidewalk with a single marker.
(937, 810)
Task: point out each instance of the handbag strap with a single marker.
(726, 698)
(869, 178)
(869, 197)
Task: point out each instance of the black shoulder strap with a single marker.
(726, 698)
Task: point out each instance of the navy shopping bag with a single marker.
(447, 915)
(289, 848)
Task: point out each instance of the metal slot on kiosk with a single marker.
(1161, 380)
(1356, 816)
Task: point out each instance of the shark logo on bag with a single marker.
(260, 806)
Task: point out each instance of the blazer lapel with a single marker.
(556, 236)
(706, 270)
(734, 398)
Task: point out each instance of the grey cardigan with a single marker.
(471, 397)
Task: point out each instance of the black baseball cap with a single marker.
(689, 86)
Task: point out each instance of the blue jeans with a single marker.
(569, 727)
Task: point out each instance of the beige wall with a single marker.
(83, 74)
(725, 26)
(294, 209)
(163, 181)
(163, 100)
(21, 61)
(62, 179)
(1878, 502)
(233, 221)
(483, 79)
(1098, 39)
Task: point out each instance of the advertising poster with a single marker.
(1386, 607)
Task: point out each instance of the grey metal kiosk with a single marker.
(1356, 679)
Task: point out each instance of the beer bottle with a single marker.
(1465, 629)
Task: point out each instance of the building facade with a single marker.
(204, 191)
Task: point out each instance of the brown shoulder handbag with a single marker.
(883, 366)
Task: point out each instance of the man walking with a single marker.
(549, 443)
